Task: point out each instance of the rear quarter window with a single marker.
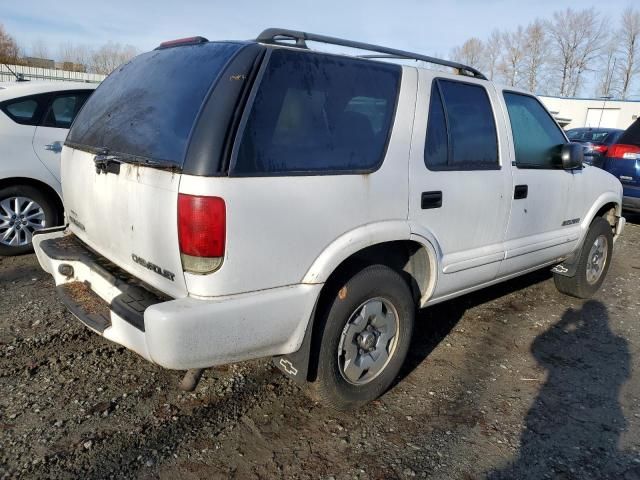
(317, 113)
(25, 110)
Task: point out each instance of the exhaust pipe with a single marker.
(191, 379)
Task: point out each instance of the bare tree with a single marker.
(607, 79)
(577, 38)
(39, 49)
(536, 45)
(629, 49)
(9, 51)
(511, 64)
(492, 54)
(78, 55)
(111, 55)
(470, 53)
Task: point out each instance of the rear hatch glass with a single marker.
(631, 135)
(145, 110)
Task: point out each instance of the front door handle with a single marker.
(520, 192)
(431, 200)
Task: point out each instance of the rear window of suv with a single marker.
(318, 113)
(147, 107)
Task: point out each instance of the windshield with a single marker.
(147, 107)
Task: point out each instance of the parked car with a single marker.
(596, 142)
(623, 161)
(34, 122)
(260, 199)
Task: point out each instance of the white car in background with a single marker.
(34, 120)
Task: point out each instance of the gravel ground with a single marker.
(516, 381)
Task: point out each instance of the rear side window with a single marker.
(461, 130)
(63, 110)
(23, 111)
(148, 106)
(536, 137)
(318, 113)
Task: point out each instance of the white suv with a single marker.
(234, 200)
(34, 120)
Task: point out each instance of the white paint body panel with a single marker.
(132, 213)
(23, 151)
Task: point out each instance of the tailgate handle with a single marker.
(520, 192)
(431, 200)
(107, 164)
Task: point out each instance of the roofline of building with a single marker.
(608, 100)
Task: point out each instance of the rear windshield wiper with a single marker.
(110, 163)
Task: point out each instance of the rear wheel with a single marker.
(593, 264)
(23, 210)
(366, 328)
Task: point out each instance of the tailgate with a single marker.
(129, 217)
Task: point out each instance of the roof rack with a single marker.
(279, 36)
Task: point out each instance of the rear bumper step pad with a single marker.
(88, 306)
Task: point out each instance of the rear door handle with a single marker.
(520, 192)
(431, 200)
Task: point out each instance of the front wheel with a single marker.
(366, 328)
(593, 263)
(23, 211)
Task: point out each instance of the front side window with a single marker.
(63, 110)
(318, 113)
(536, 137)
(22, 111)
(461, 130)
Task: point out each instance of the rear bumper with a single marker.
(174, 333)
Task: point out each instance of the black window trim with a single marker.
(53, 97)
(514, 163)
(462, 167)
(305, 173)
(43, 100)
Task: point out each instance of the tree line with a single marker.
(102, 60)
(568, 54)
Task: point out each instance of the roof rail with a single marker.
(279, 36)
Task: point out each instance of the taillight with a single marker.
(600, 149)
(202, 230)
(629, 152)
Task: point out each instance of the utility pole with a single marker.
(607, 92)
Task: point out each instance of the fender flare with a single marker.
(295, 365)
(568, 267)
(352, 242)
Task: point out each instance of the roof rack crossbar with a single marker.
(280, 35)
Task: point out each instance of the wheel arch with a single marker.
(602, 207)
(44, 187)
(412, 256)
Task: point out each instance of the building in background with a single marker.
(39, 62)
(592, 112)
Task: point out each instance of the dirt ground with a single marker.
(516, 381)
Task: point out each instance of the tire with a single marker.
(41, 213)
(587, 281)
(374, 295)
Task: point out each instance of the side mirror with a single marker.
(572, 155)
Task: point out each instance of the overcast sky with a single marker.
(431, 27)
